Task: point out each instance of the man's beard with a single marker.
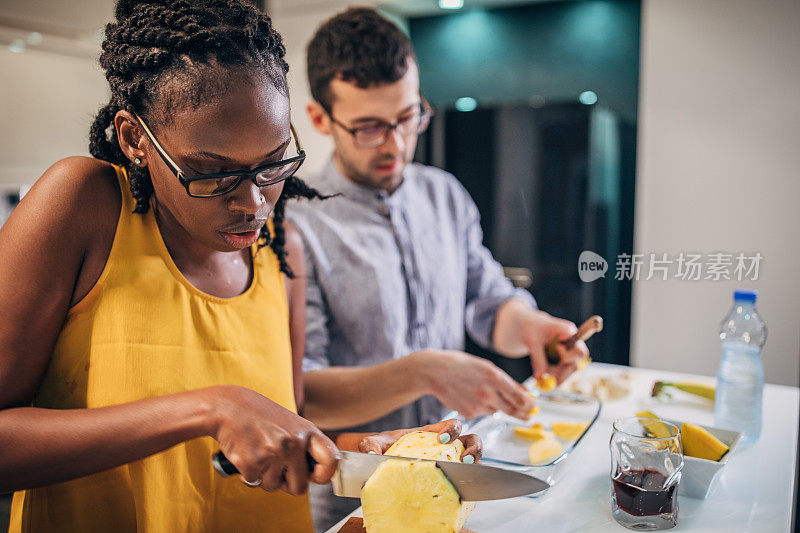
(389, 181)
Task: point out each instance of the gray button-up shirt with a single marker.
(389, 275)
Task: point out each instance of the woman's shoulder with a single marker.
(78, 190)
(81, 175)
(73, 208)
(294, 249)
(63, 228)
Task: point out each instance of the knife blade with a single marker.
(474, 482)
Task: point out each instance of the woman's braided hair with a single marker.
(161, 55)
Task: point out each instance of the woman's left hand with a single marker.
(447, 431)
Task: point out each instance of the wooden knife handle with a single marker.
(592, 325)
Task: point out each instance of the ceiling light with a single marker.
(451, 4)
(466, 103)
(588, 98)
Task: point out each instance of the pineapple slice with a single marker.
(535, 432)
(426, 445)
(544, 450)
(547, 382)
(697, 442)
(415, 497)
(654, 428)
(569, 430)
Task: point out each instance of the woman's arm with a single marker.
(52, 250)
(296, 294)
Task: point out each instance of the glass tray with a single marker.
(504, 449)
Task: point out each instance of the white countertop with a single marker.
(754, 492)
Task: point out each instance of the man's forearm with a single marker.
(341, 397)
(506, 335)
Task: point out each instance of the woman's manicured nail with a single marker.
(373, 452)
(444, 438)
(468, 459)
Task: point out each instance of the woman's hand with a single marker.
(266, 442)
(447, 431)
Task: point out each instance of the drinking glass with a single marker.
(646, 463)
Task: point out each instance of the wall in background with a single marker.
(49, 100)
(718, 171)
(553, 50)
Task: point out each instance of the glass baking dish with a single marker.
(504, 449)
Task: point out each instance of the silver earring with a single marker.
(137, 161)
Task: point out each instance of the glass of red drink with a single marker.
(646, 463)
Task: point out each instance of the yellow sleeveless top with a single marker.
(143, 331)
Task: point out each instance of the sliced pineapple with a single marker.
(415, 497)
(569, 430)
(544, 450)
(654, 428)
(547, 382)
(426, 445)
(535, 432)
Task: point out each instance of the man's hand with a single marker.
(537, 329)
(470, 385)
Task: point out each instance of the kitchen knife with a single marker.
(474, 482)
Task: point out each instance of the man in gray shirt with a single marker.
(395, 265)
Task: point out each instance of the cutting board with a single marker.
(356, 525)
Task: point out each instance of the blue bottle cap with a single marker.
(745, 295)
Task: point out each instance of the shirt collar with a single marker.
(375, 198)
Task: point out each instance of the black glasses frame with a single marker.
(426, 112)
(187, 179)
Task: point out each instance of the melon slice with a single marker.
(415, 497)
(697, 442)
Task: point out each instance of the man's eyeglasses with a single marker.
(210, 185)
(373, 134)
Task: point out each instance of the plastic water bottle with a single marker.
(740, 379)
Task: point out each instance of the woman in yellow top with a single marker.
(145, 321)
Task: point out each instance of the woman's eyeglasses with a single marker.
(210, 185)
(376, 133)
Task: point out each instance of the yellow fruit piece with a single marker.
(569, 430)
(698, 389)
(654, 428)
(583, 363)
(697, 442)
(414, 497)
(544, 451)
(535, 432)
(426, 445)
(546, 382)
(534, 411)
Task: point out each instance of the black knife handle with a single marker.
(226, 468)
